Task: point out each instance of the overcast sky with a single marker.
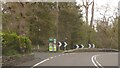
(99, 3)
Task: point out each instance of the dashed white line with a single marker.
(51, 57)
(59, 55)
(48, 60)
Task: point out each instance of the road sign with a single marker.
(60, 44)
(65, 44)
(82, 46)
(77, 46)
(93, 46)
(54, 40)
(50, 47)
(89, 46)
(55, 47)
(52, 44)
(50, 40)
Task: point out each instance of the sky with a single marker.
(99, 6)
(98, 3)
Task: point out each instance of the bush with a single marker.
(25, 43)
(12, 44)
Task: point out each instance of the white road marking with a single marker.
(40, 63)
(59, 55)
(97, 64)
(93, 61)
(51, 57)
(97, 61)
(44, 61)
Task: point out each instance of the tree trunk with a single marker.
(86, 11)
(92, 17)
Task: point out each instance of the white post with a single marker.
(38, 46)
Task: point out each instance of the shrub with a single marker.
(12, 44)
(25, 43)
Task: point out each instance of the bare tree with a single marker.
(107, 25)
(108, 14)
(86, 6)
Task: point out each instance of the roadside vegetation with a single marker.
(27, 25)
(12, 44)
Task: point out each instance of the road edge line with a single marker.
(40, 63)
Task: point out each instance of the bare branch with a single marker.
(83, 3)
(90, 3)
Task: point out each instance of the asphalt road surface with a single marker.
(98, 59)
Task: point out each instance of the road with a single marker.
(97, 59)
